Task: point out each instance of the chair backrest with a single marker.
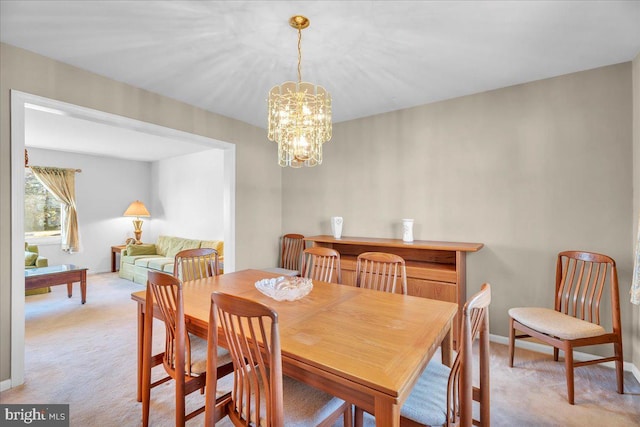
(319, 263)
(292, 246)
(192, 264)
(166, 290)
(581, 280)
(460, 390)
(380, 271)
(251, 332)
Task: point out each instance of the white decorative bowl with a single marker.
(285, 288)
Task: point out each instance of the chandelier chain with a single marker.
(299, 54)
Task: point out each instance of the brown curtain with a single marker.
(62, 184)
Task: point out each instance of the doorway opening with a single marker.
(20, 103)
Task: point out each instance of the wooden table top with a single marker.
(365, 338)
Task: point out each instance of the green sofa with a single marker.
(32, 259)
(137, 260)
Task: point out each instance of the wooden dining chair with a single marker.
(291, 247)
(381, 271)
(184, 358)
(444, 396)
(581, 280)
(192, 264)
(320, 263)
(261, 395)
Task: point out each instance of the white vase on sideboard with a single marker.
(407, 230)
(336, 226)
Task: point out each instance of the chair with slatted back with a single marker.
(192, 264)
(444, 396)
(261, 395)
(291, 247)
(381, 271)
(320, 263)
(184, 358)
(581, 280)
(451, 391)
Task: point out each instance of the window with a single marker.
(42, 213)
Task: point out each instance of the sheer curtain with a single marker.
(635, 283)
(62, 184)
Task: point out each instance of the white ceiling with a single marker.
(372, 56)
(53, 130)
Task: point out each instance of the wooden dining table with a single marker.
(364, 346)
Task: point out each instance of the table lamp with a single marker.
(137, 209)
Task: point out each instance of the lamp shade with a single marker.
(137, 209)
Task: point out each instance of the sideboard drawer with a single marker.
(435, 290)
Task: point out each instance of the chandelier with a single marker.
(299, 115)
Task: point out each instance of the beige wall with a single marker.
(528, 170)
(636, 195)
(258, 178)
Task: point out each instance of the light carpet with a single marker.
(85, 355)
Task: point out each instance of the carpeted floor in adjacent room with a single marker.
(85, 355)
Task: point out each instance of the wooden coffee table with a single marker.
(42, 277)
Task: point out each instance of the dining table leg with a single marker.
(445, 348)
(387, 413)
(140, 353)
(146, 366)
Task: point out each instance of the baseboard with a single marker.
(636, 372)
(5, 385)
(547, 349)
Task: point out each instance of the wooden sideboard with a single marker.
(435, 270)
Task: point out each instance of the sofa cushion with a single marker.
(31, 248)
(159, 263)
(144, 249)
(163, 244)
(218, 245)
(30, 258)
(126, 259)
(182, 245)
(145, 260)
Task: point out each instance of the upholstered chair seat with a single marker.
(304, 406)
(554, 323)
(427, 403)
(199, 355)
